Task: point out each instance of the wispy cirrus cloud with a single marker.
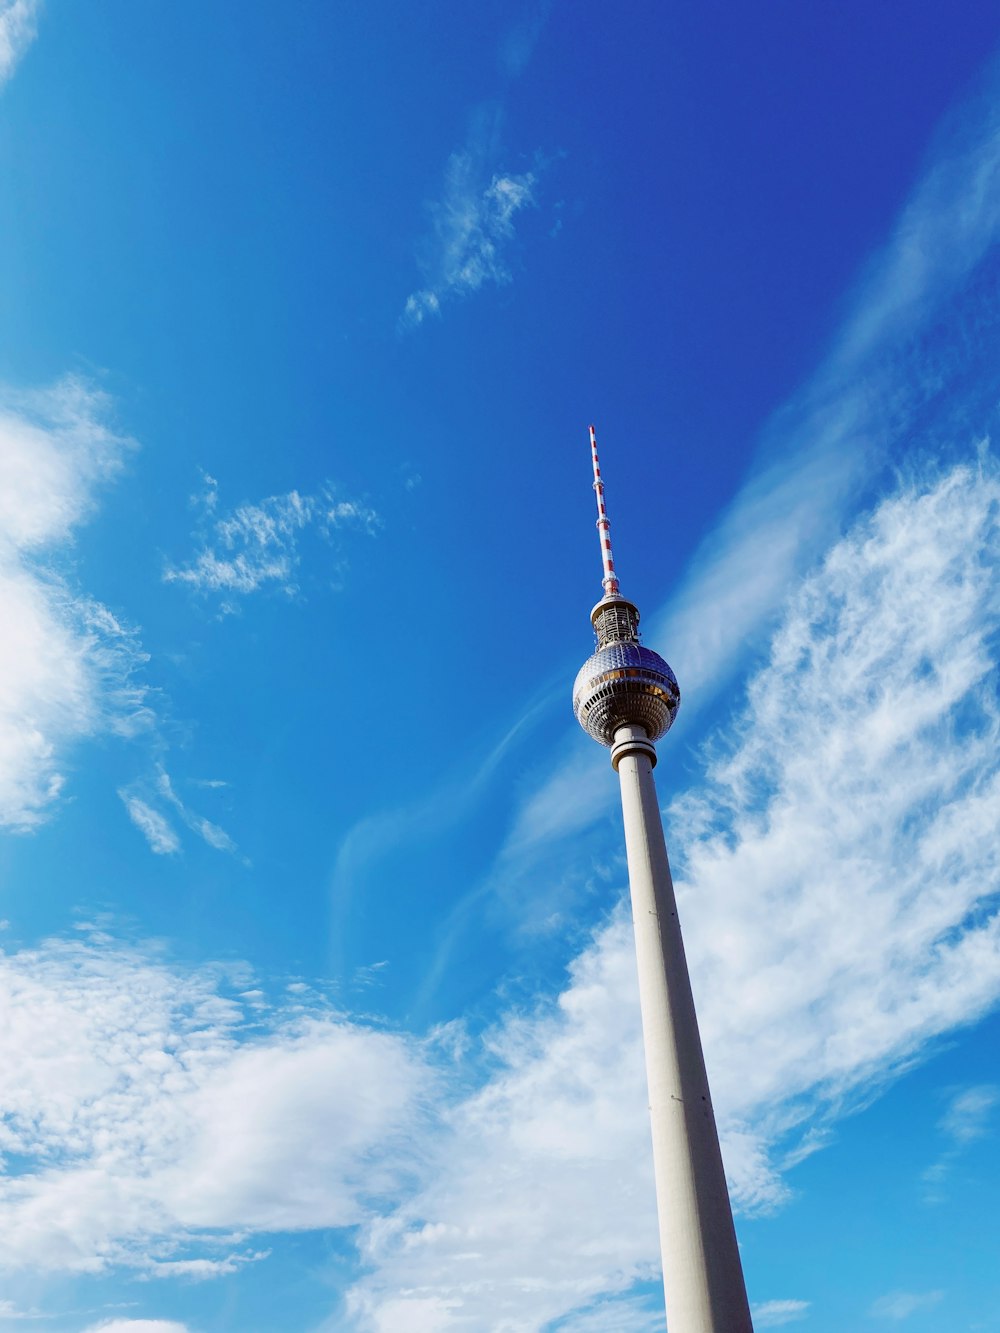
(18, 27)
(137, 1326)
(968, 1118)
(773, 1314)
(66, 662)
(472, 224)
(154, 824)
(211, 833)
(257, 545)
(969, 1113)
(11, 1313)
(630, 1315)
(899, 1305)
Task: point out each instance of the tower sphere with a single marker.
(624, 683)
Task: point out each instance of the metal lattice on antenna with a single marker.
(610, 580)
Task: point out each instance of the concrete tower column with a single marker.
(702, 1273)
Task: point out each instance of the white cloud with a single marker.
(899, 1305)
(18, 25)
(624, 1315)
(257, 545)
(199, 1270)
(968, 1115)
(850, 809)
(137, 1326)
(10, 1312)
(565, 804)
(211, 833)
(65, 661)
(946, 228)
(153, 826)
(837, 873)
(772, 1314)
(147, 1117)
(967, 1119)
(472, 225)
(67, 664)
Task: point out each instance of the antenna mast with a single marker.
(610, 580)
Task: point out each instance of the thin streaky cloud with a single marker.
(969, 1117)
(137, 1326)
(11, 1312)
(211, 833)
(773, 1314)
(199, 1270)
(432, 815)
(969, 1114)
(142, 801)
(945, 230)
(899, 1305)
(625, 1314)
(153, 826)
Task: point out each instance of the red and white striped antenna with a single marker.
(610, 580)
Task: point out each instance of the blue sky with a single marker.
(318, 993)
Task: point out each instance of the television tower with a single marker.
(626, 697)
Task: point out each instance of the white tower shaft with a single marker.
(702, 1274)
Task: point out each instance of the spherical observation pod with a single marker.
(625, 685)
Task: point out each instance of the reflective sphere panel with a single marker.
(625, 685)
